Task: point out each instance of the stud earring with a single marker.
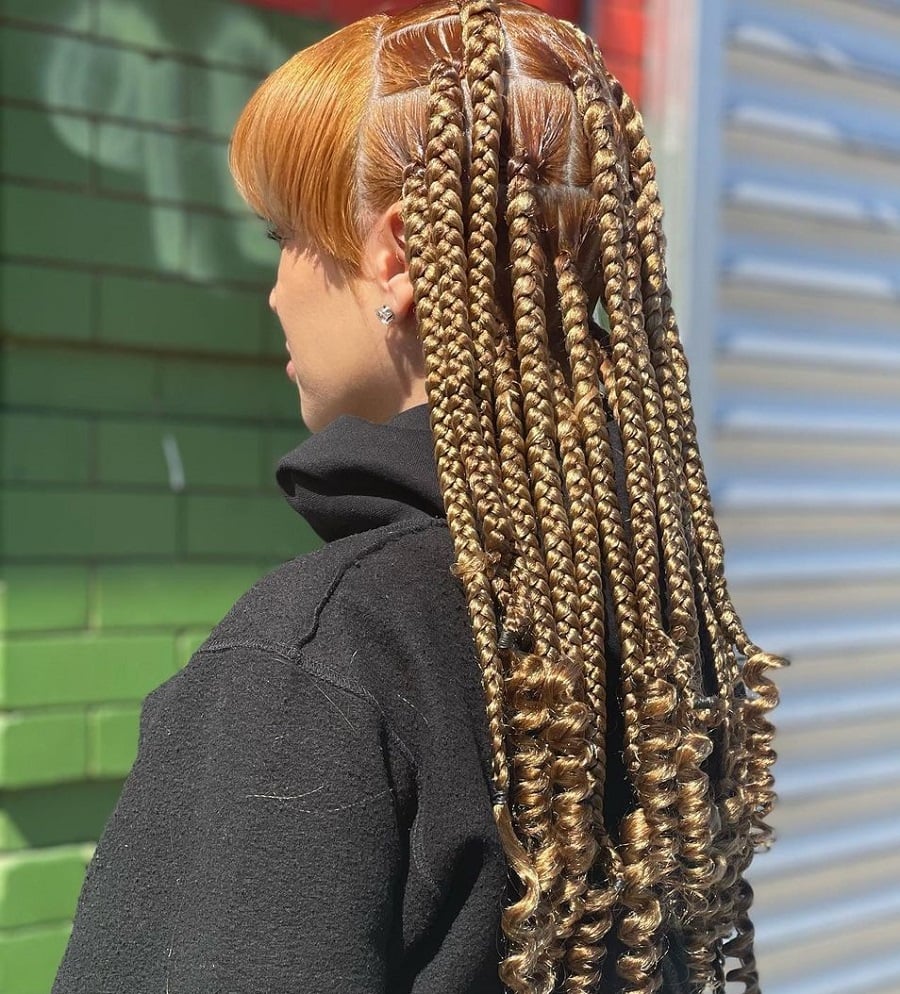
(385, 314)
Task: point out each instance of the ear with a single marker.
(385, 261)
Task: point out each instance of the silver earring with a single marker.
(385, 314)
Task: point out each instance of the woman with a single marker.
(505, 730)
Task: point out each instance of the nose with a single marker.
(272, 299)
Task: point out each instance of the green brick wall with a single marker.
(144, 406)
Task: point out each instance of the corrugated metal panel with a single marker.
(776, 130)
(805, 423)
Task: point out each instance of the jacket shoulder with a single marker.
(281, 610)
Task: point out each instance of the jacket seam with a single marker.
(294, 655)
(393, 536)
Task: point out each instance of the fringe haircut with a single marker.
(583, 529)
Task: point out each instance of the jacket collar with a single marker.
(355, 475)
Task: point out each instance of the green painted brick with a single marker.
(42, 748)
(112, 740)
(55, 224)
(58, 814)
(228, 389)
(234, 34)
(173, 26)
(135, 158)
(220, 455)
(71, 380)
(84, 523)
(41, 887)
(31, 146)
(30, 957)
(67, 72)
(176, 595)
(51, 12)
(234, 248)
(216, 97)
(149, 25)
(188, 169)
(49, 449)
(209, 455)
(228, 33)
(82, 668)
(46, 597)
(174, 315)
(43, 302)
(248, 525)
(132, 452)
(207, 178)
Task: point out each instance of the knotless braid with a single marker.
(698, 869)
(586, 953)
(568, 731)
(544, 525)
(748, 754)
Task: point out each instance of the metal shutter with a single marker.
(781, 151)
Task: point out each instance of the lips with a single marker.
(289, 368)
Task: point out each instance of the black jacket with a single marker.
(309, 810)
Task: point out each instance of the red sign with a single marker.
(345, 11)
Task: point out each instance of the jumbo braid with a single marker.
(586, 951)
(698, 870)
(424, 276)
(649, 698)
(482, 39)
(750, 755)
(447, 235)
(559, 668)
(531, 965)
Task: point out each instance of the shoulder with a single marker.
(354, 617)
(347, 615)
(314, 647)
(283, 609)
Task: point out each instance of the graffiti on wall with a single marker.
(125, 89)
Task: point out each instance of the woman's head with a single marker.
(321, 152)
(566, 453)
(322, 146)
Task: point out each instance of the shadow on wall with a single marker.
(191, 107)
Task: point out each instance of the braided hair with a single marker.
(566, 451)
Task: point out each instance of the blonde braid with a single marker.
(748, 754)
(560, 668)
(424, 275)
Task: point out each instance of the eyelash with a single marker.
(273, 234)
